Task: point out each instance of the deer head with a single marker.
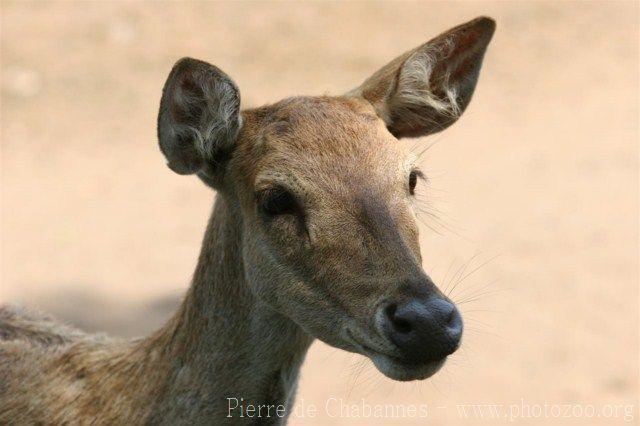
(324, 195)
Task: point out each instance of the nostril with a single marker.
(399, 324)
(402, 326)
(390, 310)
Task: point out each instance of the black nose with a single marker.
(423, 329)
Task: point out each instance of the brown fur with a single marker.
(264, 288)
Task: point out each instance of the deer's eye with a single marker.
(413, 181)
(276, 201)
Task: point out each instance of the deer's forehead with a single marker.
(322, 135)
(318, 148)
(310, 124)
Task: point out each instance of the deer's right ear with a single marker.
(199, 118)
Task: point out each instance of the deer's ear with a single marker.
(199, 117)
(426, 89)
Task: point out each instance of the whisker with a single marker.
(479, 331)
(479, 322)
(489, 293)
(474, 270)
(441, 224)
(430, 145)
(474, 290)
(446, 275)
(462, 271)
(353, 383)
(430, 227)
(492, 311)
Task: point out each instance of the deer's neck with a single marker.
(224, 348)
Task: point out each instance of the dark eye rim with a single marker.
(277, 201)
(414, 175)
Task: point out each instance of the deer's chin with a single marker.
(396, 369)
(391, 366)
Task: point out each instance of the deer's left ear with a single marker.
(427, 89)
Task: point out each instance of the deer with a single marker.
(313, 235)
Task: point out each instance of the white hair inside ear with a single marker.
(428, 88)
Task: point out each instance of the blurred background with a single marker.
(537, 184)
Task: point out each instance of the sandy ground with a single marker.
(540, 177)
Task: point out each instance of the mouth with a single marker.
(392, 366)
